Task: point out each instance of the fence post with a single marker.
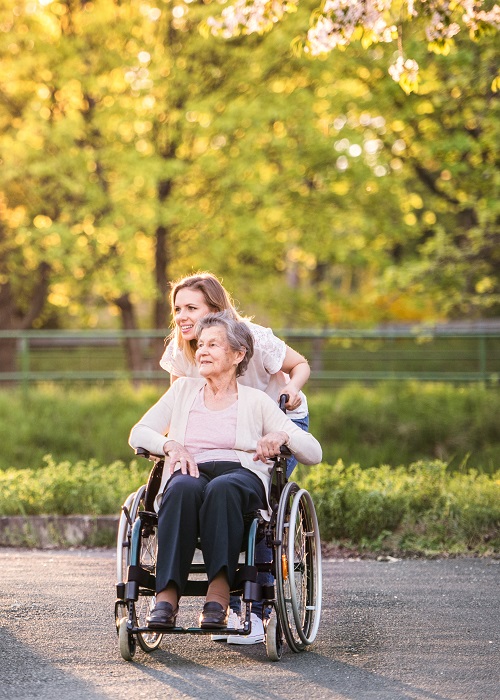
(24, 346)
(482, 357)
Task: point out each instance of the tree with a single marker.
(337, 23)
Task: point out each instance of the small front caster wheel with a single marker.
(274, 641)
(126, 641)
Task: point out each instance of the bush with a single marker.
(403, 422)
(66, 489)
(423, 508)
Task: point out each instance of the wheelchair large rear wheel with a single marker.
(298, 567)
(148, 641)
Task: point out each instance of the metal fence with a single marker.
(449, 353)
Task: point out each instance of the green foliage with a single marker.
(399, 423)
(422, 508)
(390, 423)
(134, 150)
(67, 488)
(70, 424)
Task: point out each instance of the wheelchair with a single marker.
(292, 534)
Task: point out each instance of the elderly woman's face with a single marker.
(214, 356)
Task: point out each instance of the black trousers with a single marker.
(211, 508)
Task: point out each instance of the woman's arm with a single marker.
(279, 430)
(297, 368)
(151, 430)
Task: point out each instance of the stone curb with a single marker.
(58, 531)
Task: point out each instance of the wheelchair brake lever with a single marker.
(127, 515)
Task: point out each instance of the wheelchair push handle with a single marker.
(282, 402)
(284, 451)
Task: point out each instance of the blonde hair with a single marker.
(216, 298)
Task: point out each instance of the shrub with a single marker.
(423, 508)
(65, 489)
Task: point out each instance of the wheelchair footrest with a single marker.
(188, 630)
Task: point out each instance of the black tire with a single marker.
(298, 567)
(148, 641)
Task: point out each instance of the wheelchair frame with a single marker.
(293, 535)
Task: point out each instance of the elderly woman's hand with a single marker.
(180, 456)
(269, 446)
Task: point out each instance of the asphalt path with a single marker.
(409, 629)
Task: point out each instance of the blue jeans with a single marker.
(263, 553)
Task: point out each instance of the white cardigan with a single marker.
(257, 415)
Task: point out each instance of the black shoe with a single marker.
(162, 615)
(214, 616)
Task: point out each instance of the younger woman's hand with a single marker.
(294, 399)
(269, 446)
(180, 456)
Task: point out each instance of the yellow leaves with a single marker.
(59, 296)
(429, 218)
(486, 284)
(425, 107)
(415, 200)
(441, 47)
(42, 222)
(279, 129)
(12, 217)
(340, 187)
(267, 171)
(398, 125)
(144, 147)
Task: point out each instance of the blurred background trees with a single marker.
(135, 150)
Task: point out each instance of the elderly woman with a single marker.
(218, 437)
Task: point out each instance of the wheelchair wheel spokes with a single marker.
(298, 567)
(148, 641)
(305, 552)
(283, 595)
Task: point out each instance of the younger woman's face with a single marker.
(189, 307)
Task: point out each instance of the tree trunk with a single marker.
(133, 349)
(12, 319)
(162, 260)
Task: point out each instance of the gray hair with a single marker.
(238, 335)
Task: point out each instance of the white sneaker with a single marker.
(233, 623)
(255, 636)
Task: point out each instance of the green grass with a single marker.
(70, 424)
(390, 423)
(65, 451)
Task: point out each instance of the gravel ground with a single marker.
(391, 630)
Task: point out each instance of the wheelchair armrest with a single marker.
(142, 452)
